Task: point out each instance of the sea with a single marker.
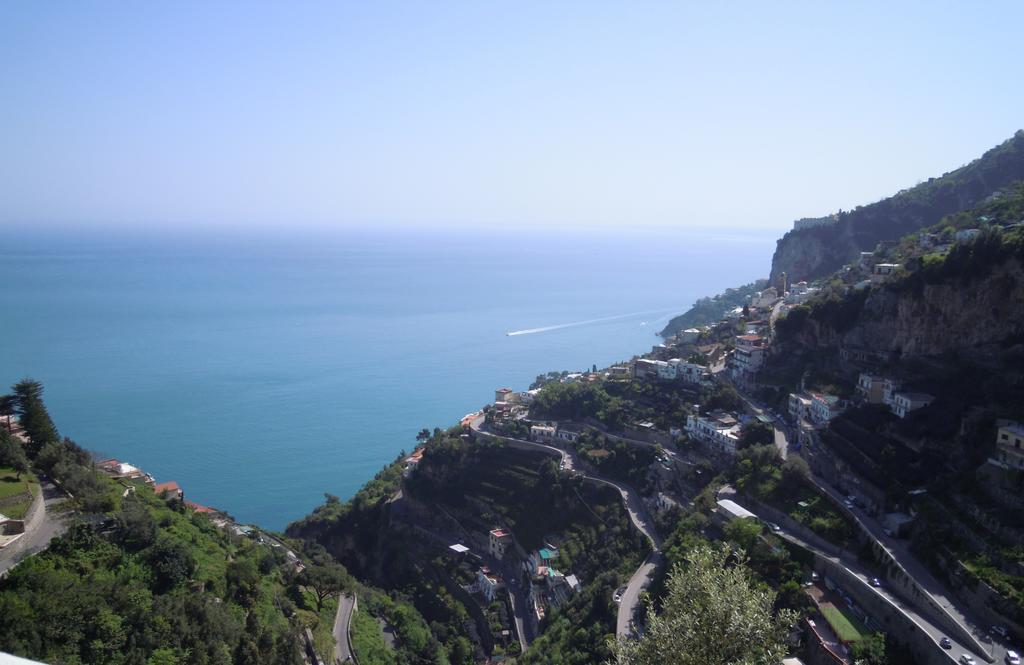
(263, 369)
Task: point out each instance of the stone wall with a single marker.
(885, 615)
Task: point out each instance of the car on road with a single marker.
(1012, 658)
(617, 596)
(875, 582)
(967, 659)
(945, 643)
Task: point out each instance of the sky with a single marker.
(485, 114)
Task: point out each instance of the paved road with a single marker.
(637, 512)
(989, 649)
(49, 524)
(343, 652)
(865, 576)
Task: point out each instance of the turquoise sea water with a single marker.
(262, 371)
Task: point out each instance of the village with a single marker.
(891, 591)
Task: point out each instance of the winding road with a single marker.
(343, 652)
(635, 508)
(46, 524)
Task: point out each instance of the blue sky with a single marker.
(588, 114)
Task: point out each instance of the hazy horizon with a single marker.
(467, 116)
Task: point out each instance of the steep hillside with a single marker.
(814, 252)
(963, 302)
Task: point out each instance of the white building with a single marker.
(487, 583)
(499, 542)
(799, 406)
(688, 336)
(904, 403)
(666, 371)
(871, 388)
(1010, 445)
(882, 271)
(689, 372)
(719, 430)
(748, 356)
(824, 408)
(734, 511)
(542, 431)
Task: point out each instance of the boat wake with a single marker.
(560, 326)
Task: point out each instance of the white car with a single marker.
(967, 659)
(1012, 658)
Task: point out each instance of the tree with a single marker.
(12, 454)
(743, 532)
(714, 613)
(795, 472)
(756, 433)
(324, 581)
(870, 650)
(8, 404)
(171, 561)
(32, 414)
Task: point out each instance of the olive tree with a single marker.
(714, 613)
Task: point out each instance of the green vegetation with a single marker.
(159, 585)
(711, 310)
(760, 472)
(368, 641)
(827, 248)
(714, 611)
(16, 492)
(617, 460)
(846, 626)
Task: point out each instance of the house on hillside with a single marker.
(883, 271)
(118, 469)
(169, 489)
(688, 336)
(719, 430)
(499, 542)
(1009, 445)
(542, 432)
(871, 388)
(568, 432)
(824, 408)
(800, 406)
(748, 356)
(903, 402)
(505, 395)
(487, 584)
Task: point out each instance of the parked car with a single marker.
(945, 643)
(875, 582)
(1012, 658)
(967, 659)
(999, 630)
(617, 596)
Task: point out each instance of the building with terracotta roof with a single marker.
(169, 488)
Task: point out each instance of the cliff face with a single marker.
(814, 252)
(937, 318)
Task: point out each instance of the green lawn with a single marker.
(845, 625)
(368, 641)
(11, 485)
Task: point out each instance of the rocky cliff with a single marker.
(814, 252)
(923, 319)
